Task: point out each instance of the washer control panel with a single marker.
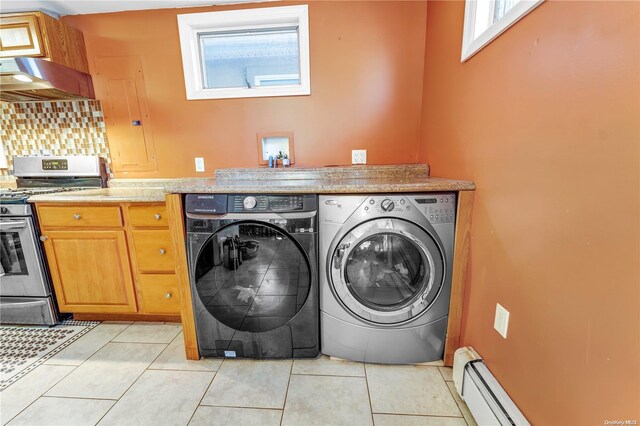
(386, 204)
(438, 208)
(243, 203)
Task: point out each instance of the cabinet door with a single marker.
(20, 35)
(120, 86)
(90, 271)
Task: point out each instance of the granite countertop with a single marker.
(319, 186)
(328, 180)
(104, 195)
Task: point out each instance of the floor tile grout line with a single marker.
(42, 394)
(242, 407)
(199, 404)
(437, 416)
(79, 397)
(97, 350)
(456, 401)
(327, 375)
(286, 394)
(123, 330)
(132, 383)
(366, 380)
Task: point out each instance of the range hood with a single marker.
(34, 79)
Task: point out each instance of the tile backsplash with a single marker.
(53, 128)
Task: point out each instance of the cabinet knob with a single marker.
(157, 216)
(162, 251)
(77, 216)
(168, 295)
(43, 238)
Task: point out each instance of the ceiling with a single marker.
(82, 7)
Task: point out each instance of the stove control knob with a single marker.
(387, 205)
(250, 203)
(4, 210)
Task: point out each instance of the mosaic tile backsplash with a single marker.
(52, 128)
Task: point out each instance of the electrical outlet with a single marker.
(358, 156)
(199, 164)
(501, 323)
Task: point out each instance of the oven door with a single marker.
(21, 264)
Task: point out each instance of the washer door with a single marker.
(252, 277)
(387, 270)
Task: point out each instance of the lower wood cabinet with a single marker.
(91, 271)
(110, 258)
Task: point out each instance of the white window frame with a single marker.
(471, 44)
(190, 25)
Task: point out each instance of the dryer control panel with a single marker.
(438, 208)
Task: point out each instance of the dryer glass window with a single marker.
(252, 277)
(386, 271)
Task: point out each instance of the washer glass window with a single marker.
(386, 271)
(252, 277)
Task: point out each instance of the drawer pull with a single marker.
(43, 238)
(168, 295)
(163, 251)
(157, 216)
(77, 216)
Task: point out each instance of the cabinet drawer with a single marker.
(80, 216)
(148, 215)
(160, 293)
(154, 251)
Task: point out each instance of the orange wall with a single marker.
(546, 121)
(366, 88)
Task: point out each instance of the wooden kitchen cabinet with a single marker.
(111, 258)
(38, 35)
(90, 271)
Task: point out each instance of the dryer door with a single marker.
(252, 276)
(387, 271)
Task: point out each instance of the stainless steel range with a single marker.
(25, 287)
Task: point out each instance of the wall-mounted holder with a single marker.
(274, 144)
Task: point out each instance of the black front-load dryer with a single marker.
(253, 272)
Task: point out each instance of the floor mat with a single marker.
(23, 348)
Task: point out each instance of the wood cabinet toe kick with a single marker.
(111, 261)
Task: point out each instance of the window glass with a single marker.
(250, 58)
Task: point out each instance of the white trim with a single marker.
(189, 25)
(258, 79)
(471, 46)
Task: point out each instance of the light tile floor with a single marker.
(136, 374)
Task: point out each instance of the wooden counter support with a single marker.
(461, 258)
(179, 237)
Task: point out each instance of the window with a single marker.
(485, 20)
(246, 53)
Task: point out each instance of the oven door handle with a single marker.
(12, 224)
(31, 303)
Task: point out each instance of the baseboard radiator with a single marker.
(488, 402)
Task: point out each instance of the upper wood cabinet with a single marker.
(36, 34)
(119, 84)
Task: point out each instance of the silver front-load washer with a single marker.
(385, 275)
